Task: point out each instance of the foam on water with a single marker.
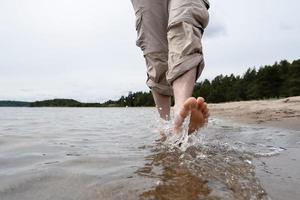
(218, 158)
(245, 140)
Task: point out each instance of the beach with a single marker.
(282, 178)
(281, 113)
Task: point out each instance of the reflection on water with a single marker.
(201, 173)
(116, 153)
(210, 167)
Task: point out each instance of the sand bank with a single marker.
(280, 178)
(282, 113)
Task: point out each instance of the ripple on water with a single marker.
(215, 163)
(100, 154)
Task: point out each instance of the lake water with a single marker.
(126, 153)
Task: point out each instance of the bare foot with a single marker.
(199, 114)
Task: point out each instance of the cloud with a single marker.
(216, 26)
(215, 30)
(285, 26)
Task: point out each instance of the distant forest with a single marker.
(279, 80)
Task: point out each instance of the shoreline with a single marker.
(277, 174)
(280, 113)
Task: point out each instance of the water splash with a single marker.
(214, 163)
(216, 136)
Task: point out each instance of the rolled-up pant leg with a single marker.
(187, 21)
(151, 25)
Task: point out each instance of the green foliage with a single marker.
(63, 103)
(14, 104)
(136, 99)
(278, 80)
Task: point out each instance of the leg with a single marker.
(161, 90)
(163, 104)
(151, 26)
(183, 87)
(187, 20)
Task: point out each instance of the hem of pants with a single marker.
(161, 89)
(186, 64)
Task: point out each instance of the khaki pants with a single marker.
(169, 34)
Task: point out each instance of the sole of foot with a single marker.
(198, 111)
(199, 115)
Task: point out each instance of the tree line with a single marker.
(279, 80)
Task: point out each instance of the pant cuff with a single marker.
(161, 89)
(184, 65)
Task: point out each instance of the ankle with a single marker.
(165, 117)
(176, 109)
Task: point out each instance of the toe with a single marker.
(204, 107)
(206, 115)
(190, 103)
(205, 112)
(200, 101)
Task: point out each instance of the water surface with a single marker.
(118, 153)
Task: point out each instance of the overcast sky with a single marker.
(85, 49)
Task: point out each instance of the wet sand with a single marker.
(279, 175)
(280, 113)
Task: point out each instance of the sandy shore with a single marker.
(281, 178)
(282, 113)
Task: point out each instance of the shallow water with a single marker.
(118, 153)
